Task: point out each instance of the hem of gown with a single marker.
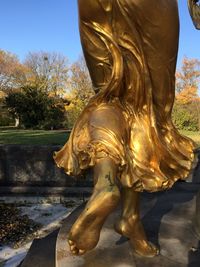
(76, 163)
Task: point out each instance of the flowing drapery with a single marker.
(130, 47)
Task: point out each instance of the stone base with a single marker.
(168, 221)
(42, 252)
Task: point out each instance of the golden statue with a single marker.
(125, 132)
(194, 8)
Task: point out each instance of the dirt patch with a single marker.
(15, 229)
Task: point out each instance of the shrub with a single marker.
(6, 121)
(36, 109)
(185, 117)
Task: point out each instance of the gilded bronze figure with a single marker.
(194, 8)
(126, 133)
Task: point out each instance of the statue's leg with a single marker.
(131, 226)
(85, 232)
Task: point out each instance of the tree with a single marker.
(12, 72)
(48, 72)
(80, 81)
(80, 90)
(186, 111)
(35, 108)
(189, 75)
(187, 95)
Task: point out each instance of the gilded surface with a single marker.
(194, 8)
(126, 132)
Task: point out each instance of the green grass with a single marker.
(193, 135)
(33, 137)
(38, 137)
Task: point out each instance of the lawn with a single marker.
(193, 135)
(33, 137)
(38, 137)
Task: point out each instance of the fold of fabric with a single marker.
(130, 48)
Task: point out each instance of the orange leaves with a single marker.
(189, 75)
(187, 81)
(187, 95)
(12, 72)
(187, 104)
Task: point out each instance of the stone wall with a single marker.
(34, 166)
(28, 165)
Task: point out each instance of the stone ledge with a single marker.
(44, 191)
(33, 165)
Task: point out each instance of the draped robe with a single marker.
(130, 47)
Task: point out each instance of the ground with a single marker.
(33, 137)
(43, 217)
(59, 137)
(38, 221)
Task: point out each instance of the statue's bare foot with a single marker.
(84, 237)
(74, 249)
(133, 229)
(84, 234)
(145, 248)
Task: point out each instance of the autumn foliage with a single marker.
(80, 90)
(44, 91)
(187, 95)
(12, 72)
(186, 113)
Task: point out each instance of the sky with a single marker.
(52, 25)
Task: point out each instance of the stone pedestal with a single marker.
(168, 221)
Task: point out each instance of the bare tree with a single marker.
(12, 72)
(80, 82)
(48, 71)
